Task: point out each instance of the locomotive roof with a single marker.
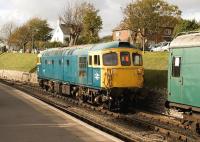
(83, 49)
(187, 40)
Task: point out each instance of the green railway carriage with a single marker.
(184, 76)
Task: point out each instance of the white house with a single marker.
(61, 33)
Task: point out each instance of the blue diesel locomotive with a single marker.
(107, 73)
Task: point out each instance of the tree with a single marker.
(107, 38)
(76, 19)
(54, 44)
(33, 30)
(39, 29)
(21, 36)
(150, 15)
(7, 30)
(186, 25)
(92, 24)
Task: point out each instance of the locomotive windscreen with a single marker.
(125, 58)
(110, 59)
(137, 59)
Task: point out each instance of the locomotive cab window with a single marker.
(110, 59)
(52, 62)
(125, 58)
(60, 62)
(90, 60)
(67, 62)
(176, 66)
(96, 60)
(137, 59)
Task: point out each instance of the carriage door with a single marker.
(176, 80)
(90, 70)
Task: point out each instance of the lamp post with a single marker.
(143, 39)
(158, 7)
(33, 40)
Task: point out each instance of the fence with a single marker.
(18, 76)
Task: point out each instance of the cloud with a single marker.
(110, 10)
(190, 8)
(12, 15)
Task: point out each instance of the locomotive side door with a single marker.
(70, 69)
(175, 77)
(82, 70)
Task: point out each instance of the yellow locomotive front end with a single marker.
(119, 74)
(122, 68)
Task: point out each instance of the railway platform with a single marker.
(26, 119)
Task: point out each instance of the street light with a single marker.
(157, 11)
(33, 35)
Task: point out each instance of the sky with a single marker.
(20, 11)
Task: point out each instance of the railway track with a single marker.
(167, 129)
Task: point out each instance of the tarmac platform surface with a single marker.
(26, 119)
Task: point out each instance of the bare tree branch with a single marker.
(72, 17)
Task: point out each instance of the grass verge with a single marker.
(155, 74)
(18, 61)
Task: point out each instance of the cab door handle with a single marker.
(181, 80)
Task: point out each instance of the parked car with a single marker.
(162, 46)
(150, 47)
(165, 46)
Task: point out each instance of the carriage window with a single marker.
(60, 62)
(176, 66)
(110, 59)
(52, 62)
(125, 58)
(90, 60)
(96, 60)
(137, 59)
(67, 62)
(82, 62)
(45, 61)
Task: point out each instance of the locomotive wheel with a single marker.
(198, 128)
(123, 106)
(46, 87)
